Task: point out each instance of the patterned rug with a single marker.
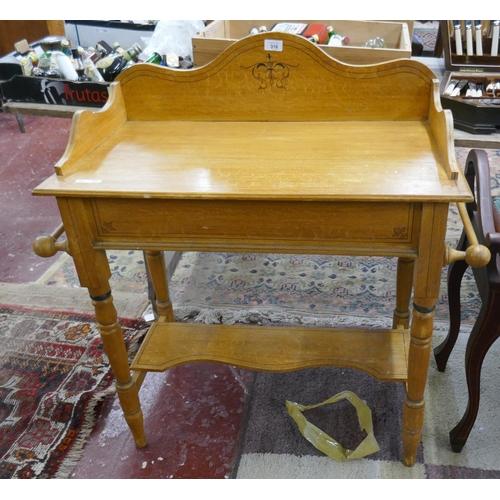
(127, 267)
(427, 33)
(53, 373)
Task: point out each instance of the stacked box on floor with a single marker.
(18, 88)
(471, 85)
(219, 35)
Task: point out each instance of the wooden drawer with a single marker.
(248, 224)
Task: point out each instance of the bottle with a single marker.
(53, 73)
(53, 70)
(103, 49)
(186, 62)
(27, 66)
(172, 61)
(80, 70)
(53, 59)
(94, 55)
(118, 48)
(331, 32)
(43, 65)
(111, 66)
(376, 43)
(338, 40)
(91, 71)
(154, 58)
(65, 47)
(102, 45)
(132, 53)
(34, 58)
(116, 59)
(66, 67)
(314, 38)
(38, 72)
(90, 53)
(129, 65)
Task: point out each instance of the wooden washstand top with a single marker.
(261, 124)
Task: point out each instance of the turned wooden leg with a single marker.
(404, 284)
(158, 275)
(93, 271)
(456, 271)
(418, 363)
(114, 346)
(427, 283)
(485, 332)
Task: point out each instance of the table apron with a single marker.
(323, 227)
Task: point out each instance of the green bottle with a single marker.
(154, 58)
(331, 32)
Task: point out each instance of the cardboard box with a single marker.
(31, 89)
(15, 87)
(219, 35)
(476, 115)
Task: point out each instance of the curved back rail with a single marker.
(298, 83)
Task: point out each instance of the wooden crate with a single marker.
(219, 35)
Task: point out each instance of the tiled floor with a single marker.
(193, 417)
(193, 414)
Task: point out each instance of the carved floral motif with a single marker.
(107, 227)
(271, 73)
(400, 233)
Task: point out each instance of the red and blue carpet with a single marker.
(53, 373)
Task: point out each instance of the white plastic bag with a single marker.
(173, 37)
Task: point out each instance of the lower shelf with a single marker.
(381, 353)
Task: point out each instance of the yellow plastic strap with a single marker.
(323, 442)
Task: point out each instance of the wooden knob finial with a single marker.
(477, 255)
(47, 246)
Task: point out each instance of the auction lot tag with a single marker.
(274, 45)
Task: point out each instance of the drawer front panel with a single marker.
(255, 221)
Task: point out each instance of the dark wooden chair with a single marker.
(485, 216)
